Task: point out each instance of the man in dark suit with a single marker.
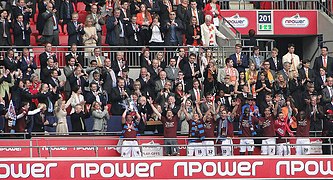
(147, 84)
(154, 69)
(118, 94)
(78, 79)
(75, 31)
(286, 71)
(49, 97)
(77, 56)
(115, 30)
(108, 77)
(222, 99)
(77, 119)
(43, 58)
(181, 59)
(305, 72)
(21, 32)
(274, 61)
(54, 81)
(173, 29)
(327, 92)
(5, 25)
(22, 9)
(133, 33)
(95, 95)
(125, 14)
(28, 64)
(320, 80)
(129, 82)
(40, 120)
(45, 74)
(10, 62)
(194, 11)
(66, 11)
(50, 31)
(240, 59)
(324, 61)
(195, 92)
(119, 64)
(191, 70)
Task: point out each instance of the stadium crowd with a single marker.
(251, 94)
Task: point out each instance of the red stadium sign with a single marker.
(241, 167)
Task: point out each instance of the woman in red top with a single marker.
(34, 87)
(144, 20)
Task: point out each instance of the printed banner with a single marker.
(241, 167)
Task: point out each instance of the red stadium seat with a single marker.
(65, 29)
(63, 40)
(80, 7)
(82, 17)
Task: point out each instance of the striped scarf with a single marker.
(197, 130)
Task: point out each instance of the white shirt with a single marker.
(295, 63)
(156, 35)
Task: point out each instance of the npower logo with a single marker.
(295, 21)
(237, 21)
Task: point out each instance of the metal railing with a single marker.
(132, 54)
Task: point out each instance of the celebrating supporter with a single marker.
(100, 117)
(210, 125)
(302, 134)
(282, 130)
(225, 131)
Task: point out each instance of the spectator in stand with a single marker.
(210, 75)
(213, 9)
(193, 33)
(96, 78)
(100, 118)
(274, 61)
(222, 100)
(145, 112)
(40, 120)
(118, 95)
(191, 70)
(46, 72)
(263, 87)
(154, 69)
(209, 32)
(317, 115)
(90, 3)
(173, 29)
(76, 98)
(181, 59)
(78, 79)
(165, 9)
(280, 86)
(147, 84)
(164, 94)
(156, 38)
(90, 37)
(5, 25)
(66, 13)
(135, 7)
(22, 9)
(75, 30)
(181, 12)
(305, 73)
(327, 92)
(98, 22)
(125, 14)
(94, 95)
(285, 72)
(50, 31)
(170, 124)
(10, 62)
(21, 31)
(115, 30)
(74, 54)
(129, 82)
(48, 97)
(282, 130)
(320, 80)
(230, 71)
(324, 61)
(196, 93)
(133, 33)
(68, 72)
(303, 133)
(22, 118)
(43, 58)
(197, 132)
(34, 87)
(247, 126)
(54, 81)
(225, 131)
(98, 57)
(152, 6)
(77, 119)
(144, 19)
(28, 64)
(108, 77)
(256, 58)
(194, 11)
(42, 4)
(240, 59)
(145, 58)
(296, 88)
(269, 73)
(61, 114)
(130, 122)
(171, 70)
(119, 64)
(292, 58)
(159, 84)
(159, 56)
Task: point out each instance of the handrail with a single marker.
(238, 34)
(320, 44)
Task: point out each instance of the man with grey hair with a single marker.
(209, 32)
